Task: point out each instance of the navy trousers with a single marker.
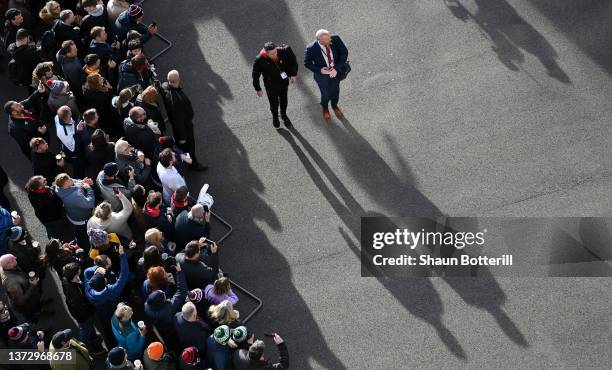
(330, 90)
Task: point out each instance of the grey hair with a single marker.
(188, 310)
(321, 32)
(174, 75)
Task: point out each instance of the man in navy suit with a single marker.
(326, 58)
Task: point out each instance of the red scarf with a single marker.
(179, 204)
(264, 54)
(39, 191)
(152, 211)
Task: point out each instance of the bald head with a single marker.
(8, 262)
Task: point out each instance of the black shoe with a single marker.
(287, 122)
(275, 122)
(198, 167)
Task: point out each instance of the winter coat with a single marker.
(106, 187)
(187, 230)
(117, 223)
(6, 222)
(26, 58)
(191, 333)
(83, 359)
(78, 203)
(153, 113)
(98, 17)
(160, 222)
(125, 23)
(271, 70)
(211, 297)
(180, 112)
(57, 100)
(98, 158)
(129, 76)
(130, 339)
(104, 301)
(48, 206)
(76, 300)
(102, 102)
(140, 136)
(161, 314)
(197, 273)
(45, 164)
(142, 172)
(25, 129)
(241, 360)
(72, 70)
(28, 256)
(23, 296)
(218, 356)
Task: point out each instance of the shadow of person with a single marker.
(418, 296)
(510, 35)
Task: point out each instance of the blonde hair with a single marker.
(153, 236)
(223, 313)
(149, 95)
(103, 211)
(96, 82)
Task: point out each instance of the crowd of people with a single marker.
(128, 240)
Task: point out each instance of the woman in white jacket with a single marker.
(112, 222)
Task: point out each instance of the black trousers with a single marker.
(277, 97)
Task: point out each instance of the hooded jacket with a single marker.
(105, 299)
(78, 203)
(161, 311)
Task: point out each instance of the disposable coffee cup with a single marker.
(137, 363)
(32, 274)
(164, 256)
(141, 325)
(14, 214)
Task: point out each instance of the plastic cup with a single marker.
(32, 274)
(137, 363)
(141, 325)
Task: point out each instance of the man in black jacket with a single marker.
(65, 30)
(44, 162)
(254, 357)
(48, 207)
(14, 20)
(180, 114)
(138, 133)
(278, 65)
(78, 305)
(26, 57)
(191, 225)
(24, 123)
(191, 330)
(201, 267)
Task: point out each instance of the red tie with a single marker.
(328, 54)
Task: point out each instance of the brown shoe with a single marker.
(326, 115)
(338, 112)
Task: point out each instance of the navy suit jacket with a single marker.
(314, 59)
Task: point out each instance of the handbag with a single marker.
(347, 70)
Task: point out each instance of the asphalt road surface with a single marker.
(486, 108)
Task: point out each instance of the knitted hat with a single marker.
(18, 333)
(222, 334)
(111, 169)
(155, 351)
(61, 337)
(166, 141)
(14, 233)
(190, 356)
(240, 334)
(116, 356)
(195, 295)
(56, 86)
(135, 11)
(6, 260)
(97, 282)
(97, 237)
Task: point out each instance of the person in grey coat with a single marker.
(79, 200)
(107, 181)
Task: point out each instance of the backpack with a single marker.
(15, 72)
